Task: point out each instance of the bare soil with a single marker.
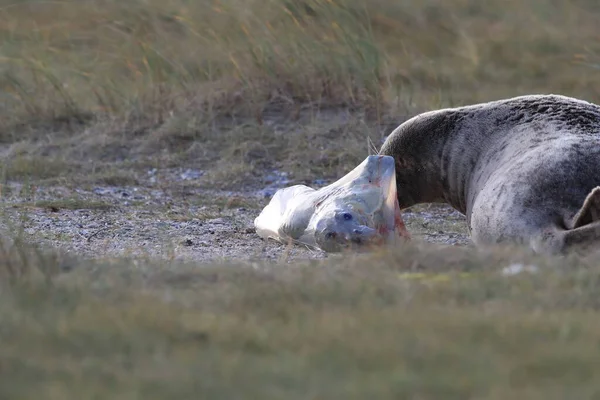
(192, 224)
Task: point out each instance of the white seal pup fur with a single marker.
(524, 170)
(359, 211)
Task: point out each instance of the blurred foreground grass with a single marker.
(348, 327)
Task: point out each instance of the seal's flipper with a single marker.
(590, 211)
(585, 226)
(584, 237)
(581, 232)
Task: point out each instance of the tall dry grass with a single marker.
(149, 57)
(70, 59)
(90, 84)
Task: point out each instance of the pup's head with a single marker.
(344, 228)
(361, 209)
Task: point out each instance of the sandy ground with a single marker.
(191, 224)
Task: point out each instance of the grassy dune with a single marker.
(160, 83)
(69, 59)
(98, 91)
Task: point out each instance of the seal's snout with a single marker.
(364, 231)
(362, 235)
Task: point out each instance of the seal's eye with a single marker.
(330, 235)
(347, 216)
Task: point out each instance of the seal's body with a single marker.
(524, 170)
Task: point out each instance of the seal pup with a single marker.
(359, 211)
(524, 170)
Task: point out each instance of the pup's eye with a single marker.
(330, 235)
(347, 216)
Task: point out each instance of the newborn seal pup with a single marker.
(524, 170)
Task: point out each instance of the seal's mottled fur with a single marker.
(524, 170)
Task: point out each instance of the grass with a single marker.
(154, 84)
(349, 327)
(99, 92)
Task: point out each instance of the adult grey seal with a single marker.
(524, 170)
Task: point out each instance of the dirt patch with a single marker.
(188, 223)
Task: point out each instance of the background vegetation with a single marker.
(148, 82)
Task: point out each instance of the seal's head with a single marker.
(344, 228)
(361, 209)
